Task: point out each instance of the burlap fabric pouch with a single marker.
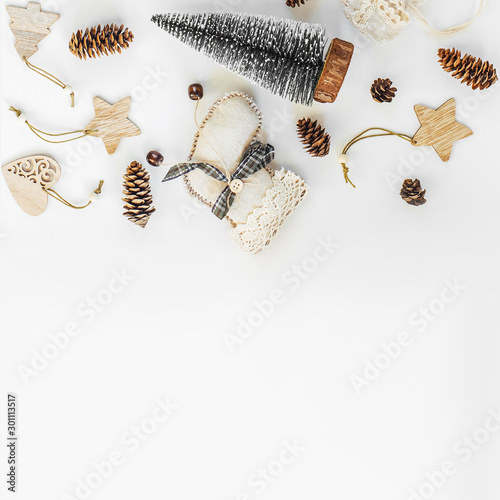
(268, 196)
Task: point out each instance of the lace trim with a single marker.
(379, 20)
(278, 204)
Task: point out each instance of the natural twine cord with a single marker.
(454, 29)
(50, 77)
(361, 137)
(58, 197)
(39, 133)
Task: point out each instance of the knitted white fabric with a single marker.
(267, 198)
(264, 222)
(379, 20)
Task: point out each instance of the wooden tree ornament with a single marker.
(31, 179)
(30, 26)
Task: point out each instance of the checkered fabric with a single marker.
(183, 168)
(256, 157)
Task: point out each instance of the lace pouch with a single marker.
(382, 20)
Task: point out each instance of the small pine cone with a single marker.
(468, 69)
(382, 91)
(138, 199)
(295, 3)
(96, 42)
(413, 193)
(314, 137)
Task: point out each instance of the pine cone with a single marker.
(316, 140)
(295, 3)
(413, 193)
(468, 69)
(96, 42)
(138, 199)
(382, 91)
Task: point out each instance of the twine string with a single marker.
(58, 197)
(449, 31)
(362, 136)
(40, 133)
(50, 77)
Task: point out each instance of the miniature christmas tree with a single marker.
(281, 55)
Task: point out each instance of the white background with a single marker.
(165, 335)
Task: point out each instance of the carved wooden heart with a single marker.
(28, 177)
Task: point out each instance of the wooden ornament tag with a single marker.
(111, 122)
(27, 178)
(30, 26)
(439, 128)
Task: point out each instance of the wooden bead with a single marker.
(155, 158)
(195, 92)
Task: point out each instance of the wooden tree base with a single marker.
(334, 72)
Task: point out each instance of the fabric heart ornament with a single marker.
(29, 179)
(229, 170)
(383, 20)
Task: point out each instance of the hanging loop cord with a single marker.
(454, 29)
(58, 197)
(362, 136)
(41, 133)
(52, 78)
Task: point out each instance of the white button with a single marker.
(236, 186)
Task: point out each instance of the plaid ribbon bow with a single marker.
(256, 157)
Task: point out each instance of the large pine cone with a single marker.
(470, 70)
(314, 137)
(413, 193)
(96, 42)
(295, 3)
(382, 91)
(138, 199)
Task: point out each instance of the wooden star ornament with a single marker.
(111, 122)
(439, 128)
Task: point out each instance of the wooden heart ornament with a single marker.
(28, 178)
